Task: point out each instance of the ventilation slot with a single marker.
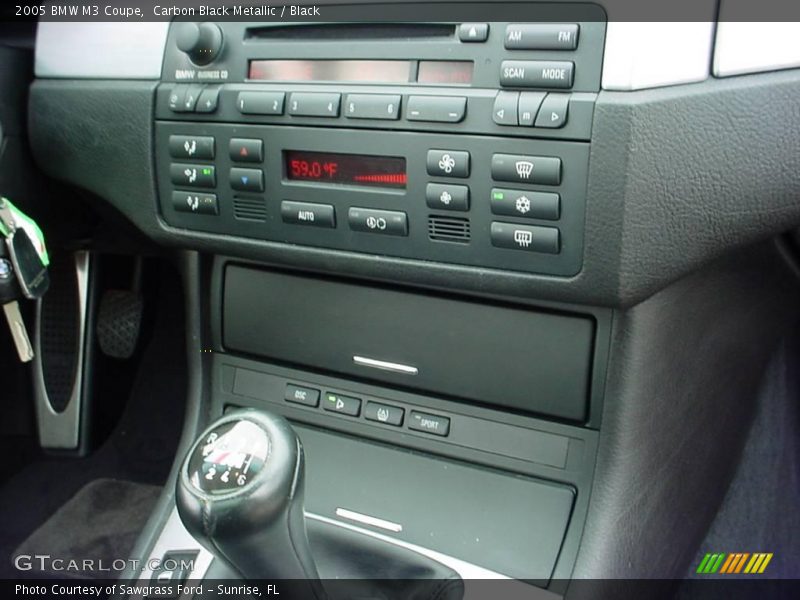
(448, 229)
(248, 209)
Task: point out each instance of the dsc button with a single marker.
(301, 395)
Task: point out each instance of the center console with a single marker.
(460, 428)
(462, 143)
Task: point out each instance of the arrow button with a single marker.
(553, 113)
(247, 180)
(505, 108)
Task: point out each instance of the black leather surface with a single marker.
(353, 565)
(258, 529)
(684, 374)
(678, 176)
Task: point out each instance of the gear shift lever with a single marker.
(240, 494)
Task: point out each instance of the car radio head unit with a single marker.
(457, 142)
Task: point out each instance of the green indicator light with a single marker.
(498, 195)
(206, 171)
(331, 398)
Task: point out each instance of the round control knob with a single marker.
(201, 42)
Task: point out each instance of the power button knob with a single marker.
(200, 41)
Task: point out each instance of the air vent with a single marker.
(249, 209)
(448, 229)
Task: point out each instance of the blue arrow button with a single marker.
(247, 180)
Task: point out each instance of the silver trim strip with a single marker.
(367, 520)
(646, 55)
(102, 50)
(62, 430)
(383, 365)
(174, 536)
(755, 47)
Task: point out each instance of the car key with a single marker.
(28, 254)
(25, 274)
(9, 292)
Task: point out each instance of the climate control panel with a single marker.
(497, 202)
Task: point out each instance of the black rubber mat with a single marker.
(92, 532)
(140, 449)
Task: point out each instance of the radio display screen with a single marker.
(355, 71)
(345, 169)
(436, 72)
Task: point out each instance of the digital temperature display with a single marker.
(346, 169)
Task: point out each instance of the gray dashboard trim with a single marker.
(103, 50)
(754, 47)
(637, 55)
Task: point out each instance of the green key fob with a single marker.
(28, 256)
(32, 275)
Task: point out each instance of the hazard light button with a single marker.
(246, 150)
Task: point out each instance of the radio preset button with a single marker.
(530, 238)
(526, 203)
(186, 175)
(473, 32)
(447, 196)
(193, 202)
(372, 106)
(386, 222)
(544, 170)
(307, 213)
(208, 100)
(553, 113)
(448, 163)
(191, 146)
(440, 109)
(246, 150)
(260, 103)
(505, 108)
(536, 73)
(247, 180)
(529, 103)
(313, 104)
(541, 36)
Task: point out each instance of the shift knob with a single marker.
(240, 494)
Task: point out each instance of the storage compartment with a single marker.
(509, 524)
(522, 359)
